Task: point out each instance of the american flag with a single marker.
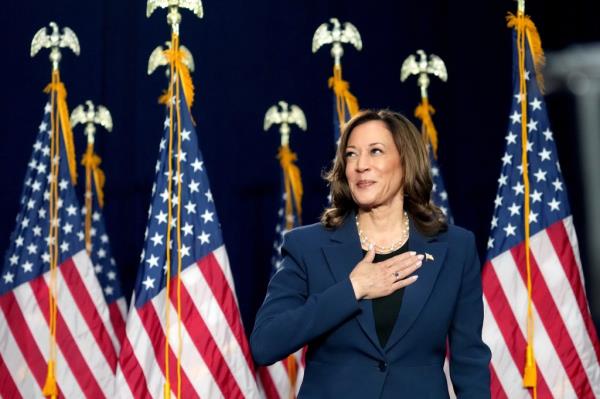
(565, 341)
(106, 270)
(86, 358)
(282, 380)
(215, 356)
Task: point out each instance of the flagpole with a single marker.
(346, 102)
(423, 68)
(284, 116)
(178, 75)
(59, 118)
(91, 161)
(527, 35)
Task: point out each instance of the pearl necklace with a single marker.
(366, 242)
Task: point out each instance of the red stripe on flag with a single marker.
(267, 383)
(88, 311)
(154, 330)
(496, 386)
(205, 343)
(116, 319)
(508, 325)
(562, 246)
(554, 324)
(132, 371)
(8, 388)
(219, 286)
(303, 356)
(71, 353)
(22, 335)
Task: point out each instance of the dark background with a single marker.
(250, 54)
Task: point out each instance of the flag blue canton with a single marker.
(200, 230)
(281, 228)
(548, 197)
(28, 255)
(439, 196)
(101, 255)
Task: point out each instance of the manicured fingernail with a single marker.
(415, 277)
(419, 264)
(420, 256)
(413, 253)
(371, 247)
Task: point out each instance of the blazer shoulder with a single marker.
(457, 236)
(315, 232)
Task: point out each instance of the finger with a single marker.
(404, 282)
(370, 255)
(401, 271)
(405, 259)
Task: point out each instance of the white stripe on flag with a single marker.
(547, 359)
(570, 228)
(82, 335)
(220, 255)
(502, 361)
(280, 378)
(143, 351)
(15, 363)
(212, 314)
(122, 305)
(84, 266)
(38, 327)
(564, 298)
(192, 362)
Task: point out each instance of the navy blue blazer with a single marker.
(310, 300)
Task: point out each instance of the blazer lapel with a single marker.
(416, 294)
(342, 256)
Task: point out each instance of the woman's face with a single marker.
(373, 167)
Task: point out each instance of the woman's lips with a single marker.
(364, 183)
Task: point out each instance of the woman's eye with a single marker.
(349, 154)
(376, 151)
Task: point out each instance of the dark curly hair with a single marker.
(417, 183)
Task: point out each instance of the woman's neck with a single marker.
(383, 225)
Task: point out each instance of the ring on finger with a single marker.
(397, 275)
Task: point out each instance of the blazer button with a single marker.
(382, 366)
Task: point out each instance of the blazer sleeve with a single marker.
(469, 355)
(290, 317)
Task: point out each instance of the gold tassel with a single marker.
(535, 43)
(63, 115)
(346, 101)
(424, 112)
(526, 30)
(530, 372)
(292, 369)
(292, 181)
(93, 161)
(50, 389)
(167, 390)
(175, 55)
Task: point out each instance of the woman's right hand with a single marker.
(374, 280)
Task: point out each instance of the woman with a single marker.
(377, 321)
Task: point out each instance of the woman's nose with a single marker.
(362, 163)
